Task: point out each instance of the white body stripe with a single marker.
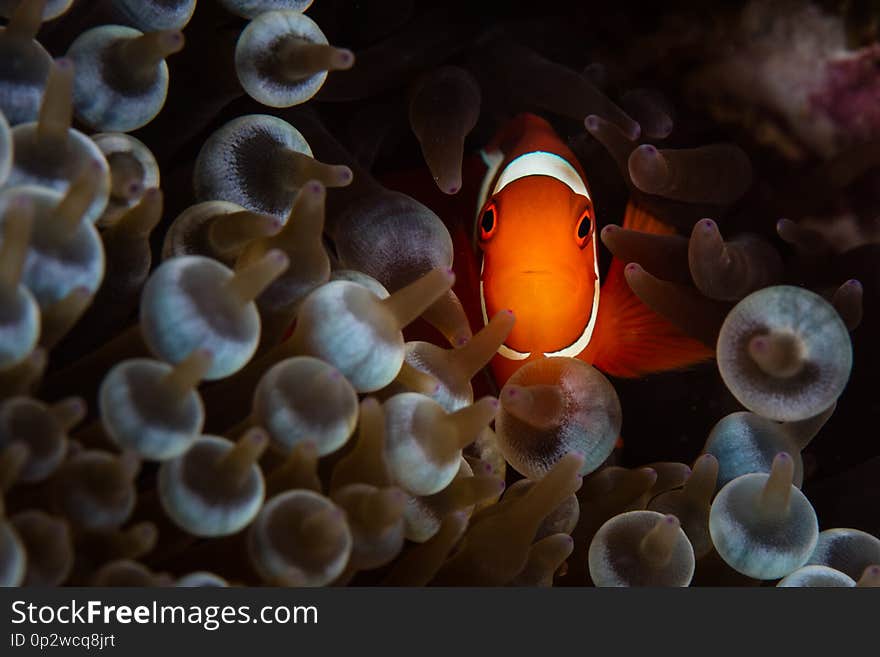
(538, 163)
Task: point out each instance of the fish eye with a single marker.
(488, 222)
(584, 229)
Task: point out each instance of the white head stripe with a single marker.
(504, 350)
(539, 163)
(493, 161)
(542, 163)
(576, 347)
(572, 350)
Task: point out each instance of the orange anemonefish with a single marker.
(534, 250)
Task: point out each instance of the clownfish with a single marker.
(537, 243)
(533, 250)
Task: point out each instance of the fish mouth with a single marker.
(573, 349)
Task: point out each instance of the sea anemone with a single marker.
(641, 548)
(216, 487)
(763, 526)
(785, 353)
(120, 75)
(242, 338)
(555, 406)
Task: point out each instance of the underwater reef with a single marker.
(264, 319)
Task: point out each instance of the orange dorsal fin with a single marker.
(522, 127)
(637, 218)
(631, 340)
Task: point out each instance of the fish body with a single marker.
(536, 240)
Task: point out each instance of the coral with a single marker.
(730, 270)
(691, 503)
(260, 162)
(816, 576)
(25, 63)
(452, 370)
(718, 173)
(218, 229)
(324, 413)
(848, 550)
(13, 557)
(49, 547)
(763, 526)
(253, 8)
(282, 58)
(359, 333)
(175, 318)
(784, 352)
(641, 548)
(133, 171)
(793, 59)
(216, 487)
(745, 442)
(5, 149)
(21, 322)
(444, 107)
(424, 515)
(202, 579)
(41, 10)
(43, 430)
(120, 75)
(52, 155)
(300, 538)
(375, 519)
(423, 443)
(149, 15)
(152, 408)
(555, 406)
(95, 490)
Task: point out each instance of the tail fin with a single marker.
(631, 340)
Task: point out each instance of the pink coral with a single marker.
(850, 93)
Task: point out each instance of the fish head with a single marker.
(538, 243)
